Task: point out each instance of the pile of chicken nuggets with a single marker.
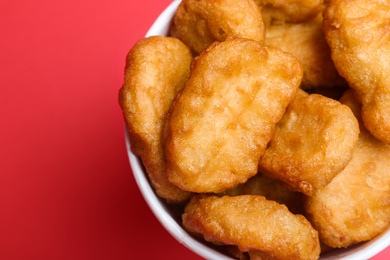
(268, 121)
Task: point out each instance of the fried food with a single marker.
(156, 69)
(306, 41)
(312, 143)
(220, 124)
(294, 11)
(355, 206)
(198, 23)
(358, 34)
(362, 189)
(271, 189)
(252, 223)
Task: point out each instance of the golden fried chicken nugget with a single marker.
(252, 223)
(295, 11)
(306, 41)
(271, 189)
(312, 143)
(355, 206)
(358, 34)
(198, 23)
(220, 124)
(156, 69)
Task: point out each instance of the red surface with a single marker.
(66, 188)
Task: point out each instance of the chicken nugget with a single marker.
(312, 143)
(294, 11)
(198, 23)
(219, 125)
(355, 206)
(306, 41)
(271, 189)
(358, 34)
(252, 223)
(156, 69)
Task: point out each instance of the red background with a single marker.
(66, 188)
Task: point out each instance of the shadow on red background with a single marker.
(66, 188)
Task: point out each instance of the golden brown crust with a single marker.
(156, 69)
(355, 206)
(220, 124)
(198, 23)
(306, 41)
(252, 223)
(312, 143)
(358, 34)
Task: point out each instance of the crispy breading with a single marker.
(306, 41)
(358, 34)
(198, 23)
(220, 124)
(156, 69)
(252, 223)
(295, 11)
(355, 178)
(312, 143)
(355, 206)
